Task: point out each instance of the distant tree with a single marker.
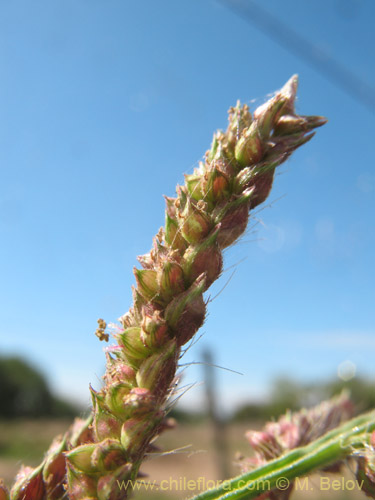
(249, 412)
(287, 394)
(187, 417)
(24, 392)
(362, 392)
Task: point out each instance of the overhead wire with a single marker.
(294, 42)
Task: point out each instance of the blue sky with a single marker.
(104, 106)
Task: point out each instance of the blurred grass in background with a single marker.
(25, 441)
(31, 416)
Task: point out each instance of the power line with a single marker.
(326, 65)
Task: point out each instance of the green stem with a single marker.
(330, 448)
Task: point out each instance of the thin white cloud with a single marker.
(336, 339)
